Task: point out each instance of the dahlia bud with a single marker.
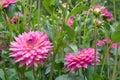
(64, 5)
(98, 23)
(96, 11)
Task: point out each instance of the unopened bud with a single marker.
(98, 23)
(96, 11)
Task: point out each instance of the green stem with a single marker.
(85, 22)
(30, 8)
(108, 62)
(95, 46)
(94, 2)
(54, 57)
(34, 74)
(52, 67)
(103, 63)
(108, 59)
(83, 71)
(78, 72)
(5, 73)
(39, 72)
(18, 72)
(114, 4)
(115, 64)
(38, 13)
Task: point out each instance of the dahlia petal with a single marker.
(42, 62)
(28, 66)
(28, 61)
(35, 64)
(13, 55)
(18, 59)
(21, 64)
(26, 55)
(73, 63)
(78, 66)
(85, 65)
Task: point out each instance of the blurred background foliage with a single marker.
(51, 17)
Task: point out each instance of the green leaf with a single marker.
(12, 10)
(89, 72)
(12, 74)
(48, 69)
(74, 48)
(70, 31)
(96, 76)
(107, 25)
(77, 9)
(67, 77)
(29, 75)
(51, 2)
(49, 31)
(46, 4)
(56, 2)
(2, 76)
(63, 77)
(116, 36)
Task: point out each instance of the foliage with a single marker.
(51, 17)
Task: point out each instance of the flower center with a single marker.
(30, 41)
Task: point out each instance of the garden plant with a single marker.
(59, 39)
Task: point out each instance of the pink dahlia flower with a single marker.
(6, 3)
(101, 10)
(109, 42)
(103, 42)
(114, 45)
(70, 21)
(30, 48)
(107, 15)
(81, 60)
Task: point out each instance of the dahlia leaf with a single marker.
(69, 31)
(29, 75)
(116, 36)
(69, 77)
(13, 74)
(76, 10)
(74, 48)
(12, 10)
(89, 72)
(2, 74)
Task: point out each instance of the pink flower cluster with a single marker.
(70, 21)
(107, 41)
(6, 3)
(103, 12)
(81, 60)
(30, 48)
